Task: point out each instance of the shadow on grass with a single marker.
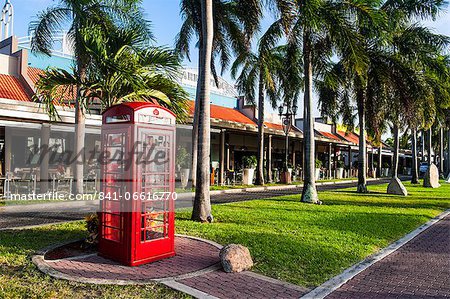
(413, 204)
(30, 240)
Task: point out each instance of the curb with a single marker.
(336, 282)
(188, 290)
(276, 281)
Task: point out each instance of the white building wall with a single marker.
(8, 65)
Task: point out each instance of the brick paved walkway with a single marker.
(192, 255)
(419, 269)
(243, 285)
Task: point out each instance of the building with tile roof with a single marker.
(233, 122)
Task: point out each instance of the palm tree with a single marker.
(234, 24)
(262, 70)
(202, 204)
(124, 67)
(414, 63)
(80, 15)
(321, 29)
(387, 69)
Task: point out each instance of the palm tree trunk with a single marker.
(429, 145)
(414, 170)
(380, 159)
(448, 152)
(422, 144)
(309, 193)
(202, 203)
(260, 166)
(80, 119)
(441, 150)
(396, 150)
(195, 125)
(362, 165)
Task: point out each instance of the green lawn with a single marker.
(308, 244)
(300, 243)
(19, 278)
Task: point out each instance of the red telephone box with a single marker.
(136, 222)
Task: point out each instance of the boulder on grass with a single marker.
(235, 258)
(396, 187)
(448, 179)
(431, 178)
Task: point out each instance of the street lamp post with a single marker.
(286, 120)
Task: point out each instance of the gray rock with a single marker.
(235, 258)
(396, 187)
(431, 178)
(448, 179)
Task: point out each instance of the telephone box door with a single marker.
(113, 220)
(155, 179)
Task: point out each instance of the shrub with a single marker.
(318, 163)
(249, 161)
(92, 228)
(182, 157)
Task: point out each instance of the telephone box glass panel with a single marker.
(155, 182)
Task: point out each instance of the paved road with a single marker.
(30, 215)
(418, 269)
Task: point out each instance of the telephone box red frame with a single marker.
(124, 234)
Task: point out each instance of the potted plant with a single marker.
(340, 169)
(385, 169)
(183, 162)
(318, 167)
(249, 164)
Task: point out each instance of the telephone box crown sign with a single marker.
(139, 112)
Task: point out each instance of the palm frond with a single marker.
(48, 23)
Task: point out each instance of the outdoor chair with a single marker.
(62, 184)
(230, 177)
(91, 182)
(238, 177)
(23, 184)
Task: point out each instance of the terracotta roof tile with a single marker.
(349, 136)
(68, 95)
(224, 113)
(352, 137)
(329, 135)
(12, 88)
(34, 74)
(274, 126)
